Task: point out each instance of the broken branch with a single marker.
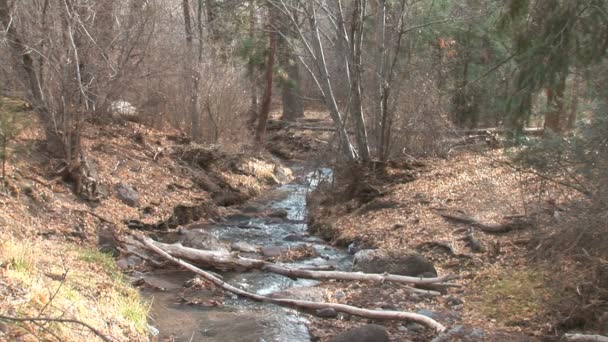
(301, 304)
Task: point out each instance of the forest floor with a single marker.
(50, 265)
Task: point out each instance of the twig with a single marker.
(58, 320)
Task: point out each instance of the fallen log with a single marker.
(490, 228)
(224, 260)
(585, 338)
(301, 304)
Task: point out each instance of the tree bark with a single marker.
(555, 104)
(267, 98)
(290, 86)
(192, 72)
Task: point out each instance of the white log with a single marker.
(585, 338)
(300, 304)
(233, 261)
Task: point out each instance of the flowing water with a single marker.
(242, 320)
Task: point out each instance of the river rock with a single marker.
(279, 213)
(200, 239)
(393, 262)
(365, 333)
(273, 251)
(127, 195)
(244, 247)
(309, 293)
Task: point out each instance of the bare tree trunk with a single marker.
(290, 85)
(193, 73)
(251, 72)
(356, 69)
(266, 100)
(555, 105)
(574, 93)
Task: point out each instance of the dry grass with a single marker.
(57, 280)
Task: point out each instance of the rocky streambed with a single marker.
(184, 311)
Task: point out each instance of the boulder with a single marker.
(200, 239)
(365, 333)
(244, 247)
(393, 262)
(127, 195)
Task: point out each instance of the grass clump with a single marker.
(510, 297)
(67, 282)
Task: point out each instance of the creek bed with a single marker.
(242, 320)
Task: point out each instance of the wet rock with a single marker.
(129, 262)
(327, 313)
(229, 198)
(201, 239)
(273, 251)
(274, 220)
(365, 333)
(244, 247)
(292, 237)
(278, 213)
(240, 218)
(312, 294)
(428, 313)
(282, 174)
(106, 241)
(392, 261)
(251, 209)
(127, 195)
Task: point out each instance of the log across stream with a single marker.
(258, 280)
(240, 319)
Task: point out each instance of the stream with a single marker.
(242, 320)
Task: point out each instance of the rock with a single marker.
(106, 241)
(365, 333)
(282, 174)
(273, 251)
(201, 239)
(292, 237)
(244, 247)
(240, 218)
(229, 198)
(327, 313)
(454, 301)
(392, 261)
(415, 327)
(309, 293)
(428, 313)
(127, 195)
(251, 209)
(279, 213)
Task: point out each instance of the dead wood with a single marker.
(301, 304)
(585, 338)
(446, 246)
(490, 228)
(232, 261)
(472, 242)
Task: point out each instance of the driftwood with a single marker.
(491, 228)
(224, 260)
(301, 304)
(585, 338)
